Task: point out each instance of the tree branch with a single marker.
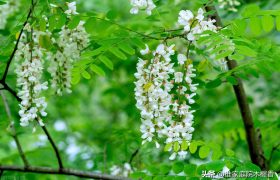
(255, 149)
(68, 172)
(53, 146)
(14, 135)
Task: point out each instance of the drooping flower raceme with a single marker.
(164, 93)
(29, 70)
(30, 64)
(70, 43)
(6, 10)
(147, 5)
(195, 24)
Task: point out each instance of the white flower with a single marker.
(29, 72)
(165, 108)
(147, 5)
(229, 5)
(124, 171)
(145, 51)
(173, 156)
(72, 9)
(178, 77)
(182, 154)
(71, 43)
(181, 59)
(200, 15)
(186, 19)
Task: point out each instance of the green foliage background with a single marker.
(101, 117)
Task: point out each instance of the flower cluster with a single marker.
(164, 93)
(29, 70)
(121, 171)
(195, 24)
(70, 43)
(230, 5)
(6, 10)
(29, 57)
(137, 5)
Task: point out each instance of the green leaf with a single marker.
(267, 23)
(204, 152)
(178, 167)
(118, 53)
(184, 145)
(93, 53)
(76, 77)
(278, 23)
(255, 26)
(190, 169)
(232, 80)
(107, 62)
(45, 42)
(217, 154)
(202, 65)
(239, 27)
(224, 54)
(164, 169)
(60, 21)
(215, 165)
(138, 42)
(153, 170)
(168, 146)
(42, 24)
(248, 166)
(250, 10)
(237, 57)
(97, 70)
(86, 75)
(193, 147)
(230, 152)
(127, 48)
(90, 25)
(112, 14)
(245, 50)
(176, 146)
(74, 22)
(213, 84)
(52, 23)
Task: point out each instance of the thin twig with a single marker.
(13, 134)
(53, 146)
(134, 155)
(68, 172)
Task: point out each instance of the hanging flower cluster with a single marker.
(70, 43)
(6, 10)
(147, 5)
(29, 70)
(195, 24)
(30, 59)
(164, 93)
(230, 5)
